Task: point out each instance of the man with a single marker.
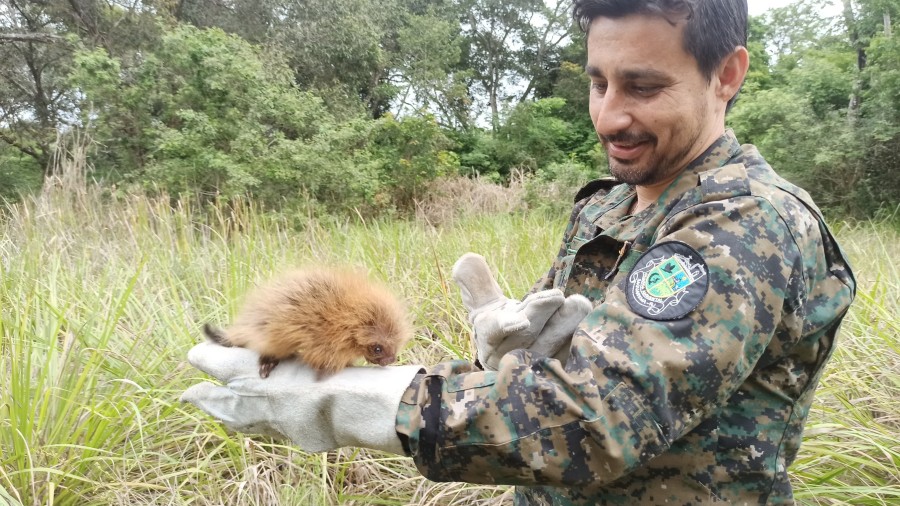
(715, 289)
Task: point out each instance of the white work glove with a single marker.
(542, 323)
(354, 407)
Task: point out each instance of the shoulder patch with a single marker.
(667, 282)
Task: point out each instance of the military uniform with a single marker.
(715, 310)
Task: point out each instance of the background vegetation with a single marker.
(356, 104)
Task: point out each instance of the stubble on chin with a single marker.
(657, 168)
(629, 173)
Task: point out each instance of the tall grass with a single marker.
(101, 297)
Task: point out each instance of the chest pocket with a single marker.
(585, 268)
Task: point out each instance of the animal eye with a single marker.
(377, 349)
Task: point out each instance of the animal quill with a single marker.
(327, 318)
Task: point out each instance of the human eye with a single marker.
(599, 87)
(646, 90)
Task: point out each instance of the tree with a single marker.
(823, 71)
(37, 41)
(341, 49)
(204, 112)
(509, 43)
(429, 72)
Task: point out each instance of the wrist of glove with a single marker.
(542, 323)
(354, 407)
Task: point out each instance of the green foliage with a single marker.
(289, 101)
(823, 79)
(476, 153)
(553, 187)
(534, 134)
(205, 112)
(409, 154)
(209, 113)
(340, 49)
(759, 75)
(799, 113)
(785, 128)
(19, 174)
(430, 51)
(882, 99)
(881, 108)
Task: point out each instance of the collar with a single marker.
(718, 154)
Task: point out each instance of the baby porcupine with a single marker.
(327, 318)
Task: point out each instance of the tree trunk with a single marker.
(850, 21)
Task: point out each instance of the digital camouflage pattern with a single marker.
(704, 408)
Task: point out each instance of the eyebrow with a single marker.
(631, 74)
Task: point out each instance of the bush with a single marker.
(534, 135)
(209, 113)
(205, 112)
(553, 187)
(19, 174)
(409, 154)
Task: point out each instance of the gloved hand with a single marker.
(354, 407)
(542, 323)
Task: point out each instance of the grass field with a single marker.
(101, 298)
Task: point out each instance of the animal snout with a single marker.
(387, 360)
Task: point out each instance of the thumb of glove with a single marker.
(492, 327)
(476, 283)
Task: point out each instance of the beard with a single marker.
(658, 166)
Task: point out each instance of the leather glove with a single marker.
(354, 407)
(542, 323)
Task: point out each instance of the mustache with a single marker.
(628, 138)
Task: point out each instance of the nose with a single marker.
(611, 112)
(387, 360)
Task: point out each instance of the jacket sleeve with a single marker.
(633, 385)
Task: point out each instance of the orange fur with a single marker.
(327, 318)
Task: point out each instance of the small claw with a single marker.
(266, 364)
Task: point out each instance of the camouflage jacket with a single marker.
(715, 310)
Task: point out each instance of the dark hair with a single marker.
(713, 30)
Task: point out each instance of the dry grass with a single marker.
(453, 198)
(100, 298)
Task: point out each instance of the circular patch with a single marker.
(668, 281)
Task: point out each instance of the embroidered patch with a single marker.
(667, 282)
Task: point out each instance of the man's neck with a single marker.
(647, 195)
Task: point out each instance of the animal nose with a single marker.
(386, 360)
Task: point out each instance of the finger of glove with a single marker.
(539, 307)
(557, 333)
(477, 285)
(548, 345)
(566, 319)
(491, 363)
(519, 341)
(237, 412)
(224, 363)
(491, 328)
(512, 327)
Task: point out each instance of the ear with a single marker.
(731, 73)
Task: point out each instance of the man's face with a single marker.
(651, 107)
